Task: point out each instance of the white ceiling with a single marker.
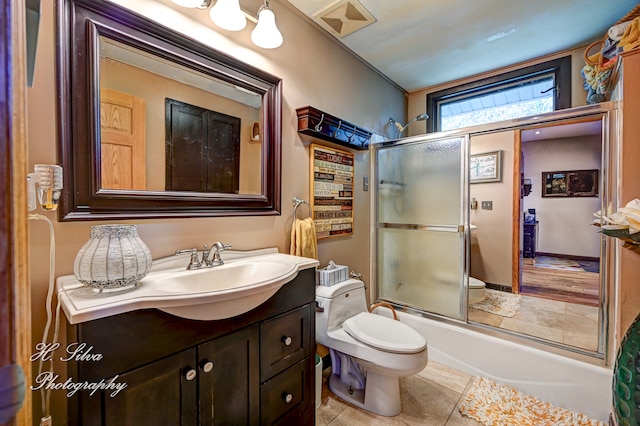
(422, 43)
(587, 128)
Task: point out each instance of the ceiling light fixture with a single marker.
(193, 4)
(266, 33)
(227, 15)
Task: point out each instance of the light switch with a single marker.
(487, 205)
(365, 183)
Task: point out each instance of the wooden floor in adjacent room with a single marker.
(567, 285)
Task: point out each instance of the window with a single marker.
(532, 90)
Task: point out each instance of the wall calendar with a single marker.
(332, 191)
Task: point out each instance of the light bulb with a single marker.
(227, 15)
(266, 34)
(192, 3)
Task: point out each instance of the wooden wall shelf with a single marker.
(319, 124)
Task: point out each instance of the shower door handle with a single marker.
(418, 227)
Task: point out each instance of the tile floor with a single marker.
(562, 322)
(429, 398)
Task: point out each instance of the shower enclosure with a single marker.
(422, 223)
(422, 236)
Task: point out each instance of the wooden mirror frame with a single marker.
(80, 24)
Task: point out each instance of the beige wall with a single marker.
(565, 223)
(314, 70)
(491, 242)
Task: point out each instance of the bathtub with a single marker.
(565, 382)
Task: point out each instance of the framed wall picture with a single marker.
(332, 191)
(573, 183)
(485, 167)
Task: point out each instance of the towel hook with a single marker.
(353, 133)
(297, 201)
(335, 133)
(363, 142)
(318, 126)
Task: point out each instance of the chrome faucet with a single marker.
(210, 256)
(194, 263)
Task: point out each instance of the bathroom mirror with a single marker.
(154, 124)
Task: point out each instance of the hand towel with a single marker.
(303, 238)
(631, 38)
(615, 33)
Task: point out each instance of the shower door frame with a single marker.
(462, 228)
(609, 285)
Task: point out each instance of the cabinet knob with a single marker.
(206, 365)
(190, 374)
(287, 397)
(286, 340)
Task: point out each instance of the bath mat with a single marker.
(499, 303)
(493, 404)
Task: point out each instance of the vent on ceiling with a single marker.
(344, 18)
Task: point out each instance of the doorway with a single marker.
(556, 254)
(559, 256)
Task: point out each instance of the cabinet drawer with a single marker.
(284, 340)
(288, 396)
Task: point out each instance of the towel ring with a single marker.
(297, 202)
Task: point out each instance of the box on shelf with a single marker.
(328, 277)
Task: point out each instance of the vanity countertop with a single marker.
(81, 303)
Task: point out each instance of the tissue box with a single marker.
(328, 277)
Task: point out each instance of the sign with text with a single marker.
(332, 191)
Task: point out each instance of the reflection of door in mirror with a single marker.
(123, 140)
(203, 149)
(129, 70)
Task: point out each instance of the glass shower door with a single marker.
(421, 259)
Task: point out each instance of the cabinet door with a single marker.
(229, 379)
(285, 340)
(289, 397)
(160, 393)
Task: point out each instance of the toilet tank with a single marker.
(339, 302)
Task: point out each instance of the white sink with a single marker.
(231, 277)
(245, 281)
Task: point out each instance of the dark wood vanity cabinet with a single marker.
(256, 368)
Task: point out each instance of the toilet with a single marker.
(477, 291)
(369, 352)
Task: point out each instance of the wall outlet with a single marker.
(487, 205)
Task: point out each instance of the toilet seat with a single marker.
(384, 333)
(475, 283)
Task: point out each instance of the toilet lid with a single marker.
(384, 333)
(475, 283)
